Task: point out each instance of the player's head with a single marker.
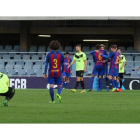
(97, 46)
(78, 47)
(113, 48)
(119, 50)
(55, 45)
(102, 46)
(67, 54)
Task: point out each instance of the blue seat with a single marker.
(17, 48)
(17, 57)
(68, 48)
(8, 48)
(86, 49)
(1, 47)
(131, 49)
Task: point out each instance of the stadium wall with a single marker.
(41, 83)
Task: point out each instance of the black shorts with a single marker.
(79, 73)
(121, 75)
(9, 93)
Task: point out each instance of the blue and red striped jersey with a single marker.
(67, 62)
(97, 58)
(114, 58)
(55, 60)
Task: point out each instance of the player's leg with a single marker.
(100, 74)
(4, 102)
(58, 81)
(77, 81)
(82, 85)
(107, 83)
(115, 75)
(67, 82)
(68, 75)
(120, 80)
(51, 90)
(94, 72)
(64, 80)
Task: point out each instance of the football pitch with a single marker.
(31, 106)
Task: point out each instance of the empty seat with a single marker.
(134, 74)
(86, 49)
(1, 47)
(128, 71)
(17, 48)
(89, 70)
(137, 58)
(8, 48)
(90, 57)
(127, 53)
(131, 49)
(6, 56)
(26, 57)
(35, 57)
(1, 64)
(3, 70)
(136, 53)
(30, 72)
(68, 49)
(23, 52)
(22, 72)
(38, 72)
(10, 65)
(11, 72)
(42, 49)
(21, 63)
(48, 49)
(93, 48)
(122, 48)
(129, 58)
(61, 49)
(17, 57)
(12, 54)
(33, 49)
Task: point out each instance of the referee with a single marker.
(121, 68)
(81, 65)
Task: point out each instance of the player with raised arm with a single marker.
(114, 64)
(105, 68)
(67, 71)
(81, 65)
(55, 60)
(98, 67)
(5, 90)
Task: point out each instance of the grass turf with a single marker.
(31, 106)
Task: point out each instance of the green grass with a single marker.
(31, 106)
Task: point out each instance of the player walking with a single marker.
(121, 68)
(113, 72)
(98, 67)
(81, 65)
(5, 90)
(67, 71)
(55, 60)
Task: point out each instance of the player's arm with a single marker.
(138, 68)
(70, 67)
(72, 62)
(46, 67)
(85, 59)
(107, 56)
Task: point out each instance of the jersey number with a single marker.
(117, 60)
(99, 57)
(55, 63)
(1, 76)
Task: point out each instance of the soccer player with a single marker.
(67, 71)
(81, 65)
(5, 90)
(121, 68)
(98, 67)
(113, 72)
(55, 60)
(105, 68)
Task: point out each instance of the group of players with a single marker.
(60, 66)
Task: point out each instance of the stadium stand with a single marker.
(31, 63)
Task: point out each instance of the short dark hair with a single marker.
(102, 45)
(78, 45)
(114, 46)
(97, 46)
(55, 45)
(120, 49)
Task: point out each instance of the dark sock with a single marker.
(77, 84)
(59, 90)
(120, 83)
(106, 80)
(116, 83)
(91, 83)
(100, 84)
(82, 84)
(51, 94)
(112, 82)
